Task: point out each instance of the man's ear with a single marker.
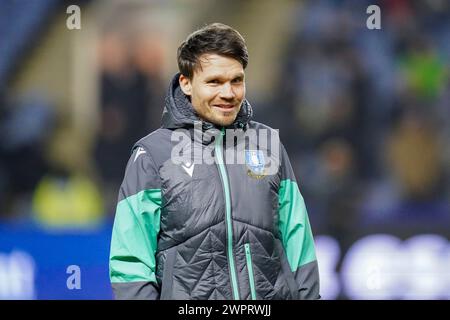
(185, 84)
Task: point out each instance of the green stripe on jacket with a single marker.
(294, 226)
(134, 237)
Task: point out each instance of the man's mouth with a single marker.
(224, 106)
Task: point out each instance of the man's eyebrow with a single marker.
(239, 75)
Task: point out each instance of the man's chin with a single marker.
(224, 122)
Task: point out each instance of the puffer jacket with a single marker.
(196, 230)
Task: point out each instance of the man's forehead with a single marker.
(210, 64)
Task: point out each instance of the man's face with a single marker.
(217, 88)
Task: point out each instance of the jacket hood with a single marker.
(179, 112)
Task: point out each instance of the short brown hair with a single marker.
(215, 38)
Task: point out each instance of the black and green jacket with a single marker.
(212, 231)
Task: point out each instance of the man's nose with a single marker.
(226, 92)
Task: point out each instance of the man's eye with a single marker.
(213, 81)
(237, 80)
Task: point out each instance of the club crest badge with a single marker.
(254, 159)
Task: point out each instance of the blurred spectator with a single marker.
(413, 152)
(337, 189)
(65, 196)
(423, 73)
(67, 200)
(415, 193)
(26, 125)
(131, 93)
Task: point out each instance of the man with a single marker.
(191, 228)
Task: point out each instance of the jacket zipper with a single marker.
(251, 277)
(226, 188)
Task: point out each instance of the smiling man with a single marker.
(221, 230)
(217, 89)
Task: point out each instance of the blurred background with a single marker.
(364, 115)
